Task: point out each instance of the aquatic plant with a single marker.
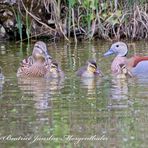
(19, 23)
(28, 26)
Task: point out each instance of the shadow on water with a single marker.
(71, 112)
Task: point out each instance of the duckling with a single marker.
(54, 71)
(123, 72)
(90, 70)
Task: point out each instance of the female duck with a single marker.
(90, 70)
(39, 47)
(36, 69)
(37, 64)
(136, 64)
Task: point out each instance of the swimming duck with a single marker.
(36, 69)
(90, 70)
(54, 71)
(123, 72)
(40, 47)
(136, 64)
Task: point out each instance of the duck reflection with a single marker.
(36, 90)
(1, 80)
(90, 84)
(55, 85)
(40, 89)
(2, 49)
(118, 93)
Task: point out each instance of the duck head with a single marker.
(41, 48)
(119, 49)
(55, 71)
(39, 55)
(92, 68)
(54, 67)
(40, 52)
(124, 70)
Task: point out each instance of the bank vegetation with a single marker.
(73, 19)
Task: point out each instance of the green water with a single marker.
(72, 112)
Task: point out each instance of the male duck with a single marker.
(137, 64)
(90, 70)
(37, 64)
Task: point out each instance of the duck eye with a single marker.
(117, 45)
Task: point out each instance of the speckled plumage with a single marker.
(37, 64)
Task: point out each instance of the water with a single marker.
(72, 113)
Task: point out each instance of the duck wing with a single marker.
(81, 70)
(138, 59)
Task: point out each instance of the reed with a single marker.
(19, 22)
(28, 26)
(83, 19)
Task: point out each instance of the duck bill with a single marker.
(48, 56)
(99, 72)
(109, 52)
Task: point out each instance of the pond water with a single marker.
(72, 112)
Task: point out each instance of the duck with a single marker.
(38, 68)
(90, 70)
(137, 65)
(54, 71)
(123, 72)
(37, 64)
(39, 46)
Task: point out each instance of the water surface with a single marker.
(105, 112)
